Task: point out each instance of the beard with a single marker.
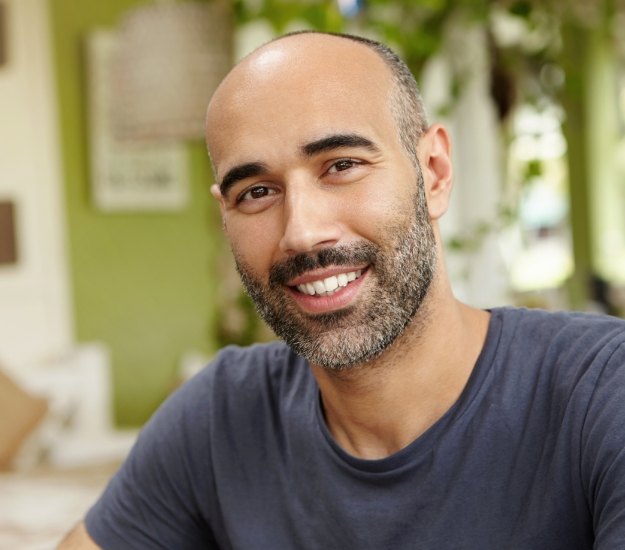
(400, 273)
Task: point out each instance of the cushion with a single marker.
(20, 414)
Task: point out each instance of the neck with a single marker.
(375, 409)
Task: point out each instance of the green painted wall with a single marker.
(143, 283)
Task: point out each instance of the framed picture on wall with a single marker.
(127, 176)
(8, 240)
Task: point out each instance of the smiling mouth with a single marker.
(329, 285)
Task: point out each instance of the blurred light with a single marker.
(508, 29)
(350, 8)
(529, 120)
(542, 147)
(538, 134)
(552, 76)
(545, 265)
(542, 206)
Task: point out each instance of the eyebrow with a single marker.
(241, 172)
(336, 141)
(328, 143)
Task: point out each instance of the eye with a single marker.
(256, 198)
(341, 165)
(255, 193)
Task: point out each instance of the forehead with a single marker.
(296, 90)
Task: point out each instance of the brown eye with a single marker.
(258, 192)
(257, 198)
(344, 164)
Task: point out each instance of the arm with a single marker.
(78, 539)
(603, 453)
(156, 499)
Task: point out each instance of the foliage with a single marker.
(320, 14)
(417, 28)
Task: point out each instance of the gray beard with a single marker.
(401, 274)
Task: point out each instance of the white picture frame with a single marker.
(127, 176)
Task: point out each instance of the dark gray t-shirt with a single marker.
(531, 456)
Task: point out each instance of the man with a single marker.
(396, 417)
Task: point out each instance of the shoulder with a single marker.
(573, 334)
(246, 371)
(562, 369)
(239, 387)
(247, 365)
(568, 371)
(166, 487)
(561, 356)
(560, 321)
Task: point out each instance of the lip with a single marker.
(342, 298)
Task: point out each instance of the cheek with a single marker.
(373, 210)
(253, 242)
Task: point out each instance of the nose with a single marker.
(310, 219)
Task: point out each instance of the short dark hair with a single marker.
(406, 104)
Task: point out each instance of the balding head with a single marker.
(315, 59)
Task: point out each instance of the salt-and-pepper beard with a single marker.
(401, 270)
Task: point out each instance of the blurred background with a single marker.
(116, 283)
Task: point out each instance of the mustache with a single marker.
(359, 253)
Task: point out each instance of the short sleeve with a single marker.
(154, 499)
(603, 453)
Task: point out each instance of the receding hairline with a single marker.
(406, 103)
(384, 53)
(368, 43)
(242, 65)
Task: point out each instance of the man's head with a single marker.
(328, 181)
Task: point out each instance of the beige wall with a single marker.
(35, 312)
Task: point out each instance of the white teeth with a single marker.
(330, 284)
(319, 287)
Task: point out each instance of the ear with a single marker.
(434, 153)
(215, 191)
